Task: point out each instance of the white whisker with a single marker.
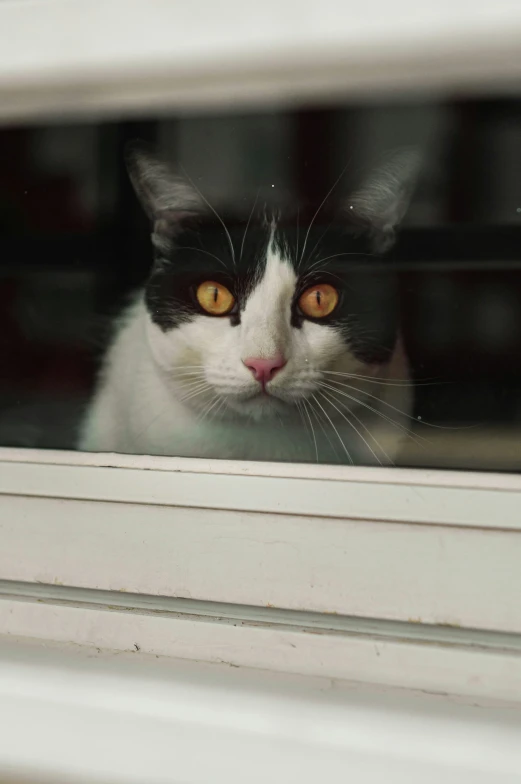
(193, 393)
(211, 404)
(394, 408)
(326, 197)
(214, 212)
(207, 253)
(394, 383)
(330, 399)
(319, 240)
(247, 225)
(221, 408)
(298, 406)
(334, 428)
(312, 428)
(192, 382)
(184, 381)
(319, 420)
(188, 377)
(196, 373)
(191, 386)
(298, 229)
(334, 256)
(142, 432)
(418, 439)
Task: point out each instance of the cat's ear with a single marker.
(168, 199)
(381, 202)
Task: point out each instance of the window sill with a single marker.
(315, 570)
(140, 719)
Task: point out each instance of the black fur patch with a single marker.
(332, 251)
(201, 253)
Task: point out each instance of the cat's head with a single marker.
(248, 316)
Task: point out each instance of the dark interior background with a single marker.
(73, 244)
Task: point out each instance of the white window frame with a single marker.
(246, 557)
(384, 577)
(66, 56)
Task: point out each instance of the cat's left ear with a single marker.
(381, 203)
(168, 199)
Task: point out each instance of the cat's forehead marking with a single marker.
(278, 277)
(266, 326)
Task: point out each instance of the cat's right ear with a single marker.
(381, 203)
(168, 199)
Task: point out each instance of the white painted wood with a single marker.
(482, 670)
(65, 56)
(436, 574)
(79, 717)
(373, 475)
(476, 500)
(440, 548)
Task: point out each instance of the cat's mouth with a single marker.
(260, 403)
(262, 400)
(264, 397)
(266, 394)
(268, 402)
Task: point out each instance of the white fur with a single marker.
(139, 405)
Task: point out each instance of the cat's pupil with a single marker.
(318, 298)
(215, 294)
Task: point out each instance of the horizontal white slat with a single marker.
(481, 671)
(433, 574)
(77, 717)
(436, 547)
(61, 56)
(475, 500)
(404, 476)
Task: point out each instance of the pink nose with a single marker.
(264, 369)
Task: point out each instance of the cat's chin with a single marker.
(260, 407)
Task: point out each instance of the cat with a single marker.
(260, 338)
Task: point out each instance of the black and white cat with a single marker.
(259, 338)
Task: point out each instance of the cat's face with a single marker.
(253, 317)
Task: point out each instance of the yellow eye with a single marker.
(318, 301)
(215, 298)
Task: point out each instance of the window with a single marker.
(77, 244)
(403, 574)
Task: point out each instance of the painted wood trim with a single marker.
(65, 56)
(76, 715)
(414, 496)
(381, 569)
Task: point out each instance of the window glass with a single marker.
(335, 284)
